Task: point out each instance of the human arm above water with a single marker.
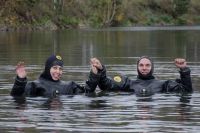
(20, 80)
(93, 79)
(90, 84)
(184, 83)
(106, 83)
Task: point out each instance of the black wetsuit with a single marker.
(47, 88)
(146, 86)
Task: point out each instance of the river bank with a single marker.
(34, 15)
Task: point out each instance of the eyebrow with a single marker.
(58, 66)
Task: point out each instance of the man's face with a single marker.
(144, 66)
(56, 72)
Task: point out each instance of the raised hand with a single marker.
(95, 65)
(20, 70)
(180, 63)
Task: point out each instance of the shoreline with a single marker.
(4, 28)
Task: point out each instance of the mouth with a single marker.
(56, 76)
(145, 73)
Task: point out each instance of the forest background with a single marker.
(64, 14)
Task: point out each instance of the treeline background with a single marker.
(62, 14)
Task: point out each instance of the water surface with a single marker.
(118, 49)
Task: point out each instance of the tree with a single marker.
(180, 7)
(58, 5)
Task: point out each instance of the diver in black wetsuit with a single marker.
(145, 84)
(49, 84)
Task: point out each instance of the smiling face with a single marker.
(144, 66)
(56, 72)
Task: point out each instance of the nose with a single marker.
(144, 67)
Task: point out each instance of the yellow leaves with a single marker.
(119, 17)
(11, 20)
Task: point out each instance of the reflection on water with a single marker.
(113, 112)
(103, 111)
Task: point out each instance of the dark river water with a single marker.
(103, 112)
